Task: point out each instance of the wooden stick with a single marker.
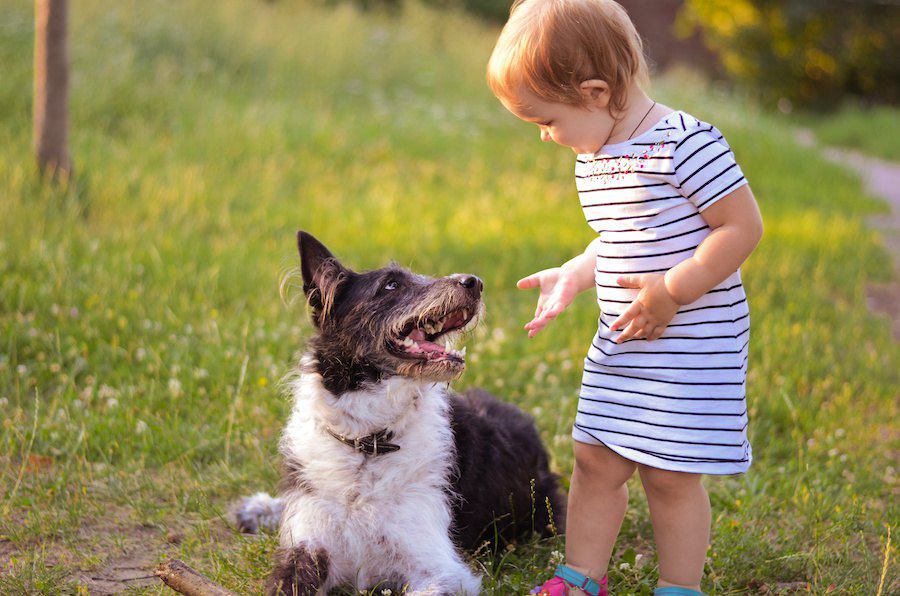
(181, 578)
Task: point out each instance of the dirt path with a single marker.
(882, 179)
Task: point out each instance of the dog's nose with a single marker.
(470, 282)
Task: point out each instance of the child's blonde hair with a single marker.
(549, 47)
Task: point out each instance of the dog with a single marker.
(389, 475)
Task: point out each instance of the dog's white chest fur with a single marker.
(380, 517)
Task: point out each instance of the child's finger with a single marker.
(657, 332)
(647, 331)
(552, 310)
(535, 328)
(630, 281)
(628, 333)
(633, 310)
(532, 281)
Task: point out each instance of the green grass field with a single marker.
(142, 336)
(875, 131)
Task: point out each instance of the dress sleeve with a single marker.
(705, 168)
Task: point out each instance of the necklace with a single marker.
(594, 158)
(642, 121)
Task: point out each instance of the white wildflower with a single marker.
(141, 427)
(107, 392)
(175, 389)
(624, 566)
(112, 403)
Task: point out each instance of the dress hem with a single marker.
(711, 468)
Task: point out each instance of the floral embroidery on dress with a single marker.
(618, 167)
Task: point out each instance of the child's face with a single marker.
(583, 129)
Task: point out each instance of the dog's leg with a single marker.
(436, 568)
(298, 572)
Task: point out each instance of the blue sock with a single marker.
(676, 591)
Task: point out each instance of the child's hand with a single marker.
(558, 289)
(650, 313)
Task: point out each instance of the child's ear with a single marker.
(595, 92)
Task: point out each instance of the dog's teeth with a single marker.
(465, 314)
(408, 342)
(439, 326)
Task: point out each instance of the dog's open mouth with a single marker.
(427, 339)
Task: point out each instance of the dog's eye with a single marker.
(391, 285)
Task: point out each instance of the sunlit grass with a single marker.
(139, 309)
(872, 130)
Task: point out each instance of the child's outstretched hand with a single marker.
(650, 313)
(558, 290)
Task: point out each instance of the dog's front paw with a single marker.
(463, 583)
(298, 572)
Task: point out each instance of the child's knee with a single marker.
(599, 463)
(666, 483)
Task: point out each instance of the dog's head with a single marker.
(388, 321)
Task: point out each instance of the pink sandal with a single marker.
(566, 578)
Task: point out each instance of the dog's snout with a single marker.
(470, 282)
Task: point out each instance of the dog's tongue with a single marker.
(423, 344)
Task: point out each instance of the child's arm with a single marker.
(736, 230)
(559, 286)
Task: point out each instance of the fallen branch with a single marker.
(181, 578)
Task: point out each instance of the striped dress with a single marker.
(676, 403)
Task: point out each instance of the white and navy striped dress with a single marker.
(676, 403)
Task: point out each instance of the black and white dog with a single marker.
(389, 474)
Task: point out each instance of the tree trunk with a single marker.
(51, 88)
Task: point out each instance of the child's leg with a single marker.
(680, 513)
(598, 497)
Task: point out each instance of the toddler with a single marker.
(663, 383)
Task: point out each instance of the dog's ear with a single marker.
(323, 275)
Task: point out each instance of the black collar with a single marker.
(374, 444)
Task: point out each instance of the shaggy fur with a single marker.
(469, 467)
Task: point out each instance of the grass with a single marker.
(143, 337)
(875, 130)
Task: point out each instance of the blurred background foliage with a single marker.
(812, 53)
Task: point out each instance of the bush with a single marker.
(809, 51)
